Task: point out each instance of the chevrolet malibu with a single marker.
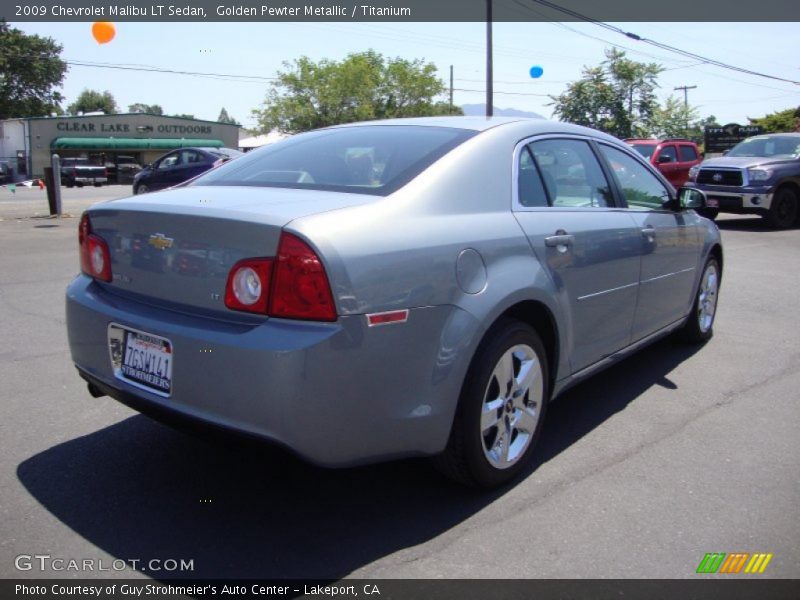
(413, 287)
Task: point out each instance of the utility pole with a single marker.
(451, 89)
(686, 89)
(489, 77)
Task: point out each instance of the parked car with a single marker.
(178, 166)
(122, 169)
(79, 172)
(429, 303)
(5, 172)
(673, 157)
(760, 175)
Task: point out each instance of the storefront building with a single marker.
(27, 145)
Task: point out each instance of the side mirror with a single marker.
(664, 159)
(691, 198)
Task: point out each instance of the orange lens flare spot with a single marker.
(103, 31)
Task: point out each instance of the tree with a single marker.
(93, 101)
(697, 129)
(780, 121)
(183, 116)
(617, 97)
(362, 86)
(30, 71)
(150, 109)
(224, 117)
(673, 119)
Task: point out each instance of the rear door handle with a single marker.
(649, 231)
(560, 239)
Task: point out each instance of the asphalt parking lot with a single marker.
(642, 470)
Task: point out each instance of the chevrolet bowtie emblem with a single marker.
(160, 241)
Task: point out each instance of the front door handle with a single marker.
(649, 233)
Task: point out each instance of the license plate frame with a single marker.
(141, 359)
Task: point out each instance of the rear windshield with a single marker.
(226, 153)
(645, 150)
(372, 159)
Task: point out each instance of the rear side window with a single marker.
(191, 156)
(226, 153)
(688, 153)
(368, 159)
(561, 172)
(530, 188)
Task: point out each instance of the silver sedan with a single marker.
(393, 288)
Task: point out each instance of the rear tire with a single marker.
(699, 325)
(501, 409)
(783, 210)
(140, 189)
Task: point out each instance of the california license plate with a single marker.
(142, 359)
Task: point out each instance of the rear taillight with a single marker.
(300, 289)
(293, 285)
(95, 255)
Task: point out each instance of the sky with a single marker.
(254, 52)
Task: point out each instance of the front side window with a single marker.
(641, 189)
(667, 154)
(371, 159)
(568, 172)
(169, 161)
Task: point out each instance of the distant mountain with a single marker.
(478, 110)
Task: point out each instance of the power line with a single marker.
(146, 68)
(666, 47)
(224, 76)
(503, 93)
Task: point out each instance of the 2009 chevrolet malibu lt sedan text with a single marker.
(393, 288)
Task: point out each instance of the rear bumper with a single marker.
(337, 394)
(86, 180)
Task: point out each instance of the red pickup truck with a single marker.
(673, 157)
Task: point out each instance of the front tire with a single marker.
(699, 325)
(140, 189)
(783, 210)
(501, 409)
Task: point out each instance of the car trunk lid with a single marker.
(176, 248)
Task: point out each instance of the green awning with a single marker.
(113, 143)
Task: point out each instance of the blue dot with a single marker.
(536, 72)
